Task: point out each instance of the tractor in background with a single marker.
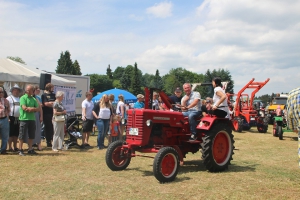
(244, 114)
(166, 133)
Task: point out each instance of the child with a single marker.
(115, 128)
(278, 111)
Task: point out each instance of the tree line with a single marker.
(132, 79)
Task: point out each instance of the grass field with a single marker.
(263, 167)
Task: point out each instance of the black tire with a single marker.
(237, 124)
(263, 126)
(280, 133)
(247, 128)
(114, 160)
(218, 145)
(166, 164)
(275, 129)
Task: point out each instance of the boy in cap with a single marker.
(176, 97)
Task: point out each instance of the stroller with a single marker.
(73, 130)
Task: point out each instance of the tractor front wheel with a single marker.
(262, 126)
(275, 129)
(218, 148)
(280, 133)
(117, 158)
(237, 123)
(166, 164)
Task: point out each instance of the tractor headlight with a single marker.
(148, 122)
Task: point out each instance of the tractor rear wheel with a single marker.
(237, 124)
(218, 148)
(280, 133)
(166, 164)
(117, 158)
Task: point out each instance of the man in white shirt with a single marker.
(191, 108)
(14, 123)
(87, 118)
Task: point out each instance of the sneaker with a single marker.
(16, 150)
(193, 138)
(32, 152)
(55, 150)
(100, 148)
(21, 152)
(49, 144)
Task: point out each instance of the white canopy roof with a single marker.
(11, 71)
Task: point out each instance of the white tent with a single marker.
(12, 72)
(15, 72)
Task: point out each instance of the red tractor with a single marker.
(244, 113)
(167, 134)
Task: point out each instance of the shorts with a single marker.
(14, 125)
(27, 126)
(87, 125)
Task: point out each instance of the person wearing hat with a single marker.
(14, 123)
(140, 102)
(176, 98)
(4, 124)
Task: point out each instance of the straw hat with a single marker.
(16, 87)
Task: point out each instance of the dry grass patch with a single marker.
(263, 168)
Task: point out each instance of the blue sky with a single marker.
(252, 39)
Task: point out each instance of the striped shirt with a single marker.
(293, 109)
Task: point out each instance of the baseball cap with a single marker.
(140, 96)
(178, 89)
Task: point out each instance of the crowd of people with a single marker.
(23, 117)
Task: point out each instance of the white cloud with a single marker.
(252, 39)
(161, 10)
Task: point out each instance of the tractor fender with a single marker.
(207, 122)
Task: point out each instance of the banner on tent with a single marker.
(69, 97)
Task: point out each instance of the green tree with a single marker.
(157, 81)
(125, 80)
(136, 82)
(146, 79)
(66, 66)
(17, 59)
(109, 72)
(170, 82)
(100, 83)
(224, 75)
(117, 84)
(118, 73)
(76, 68)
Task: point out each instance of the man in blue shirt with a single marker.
(139, 104)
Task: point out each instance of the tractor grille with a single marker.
(135, 120)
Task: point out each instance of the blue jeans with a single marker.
(102, 126)
(192, 115)
(4, 131)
